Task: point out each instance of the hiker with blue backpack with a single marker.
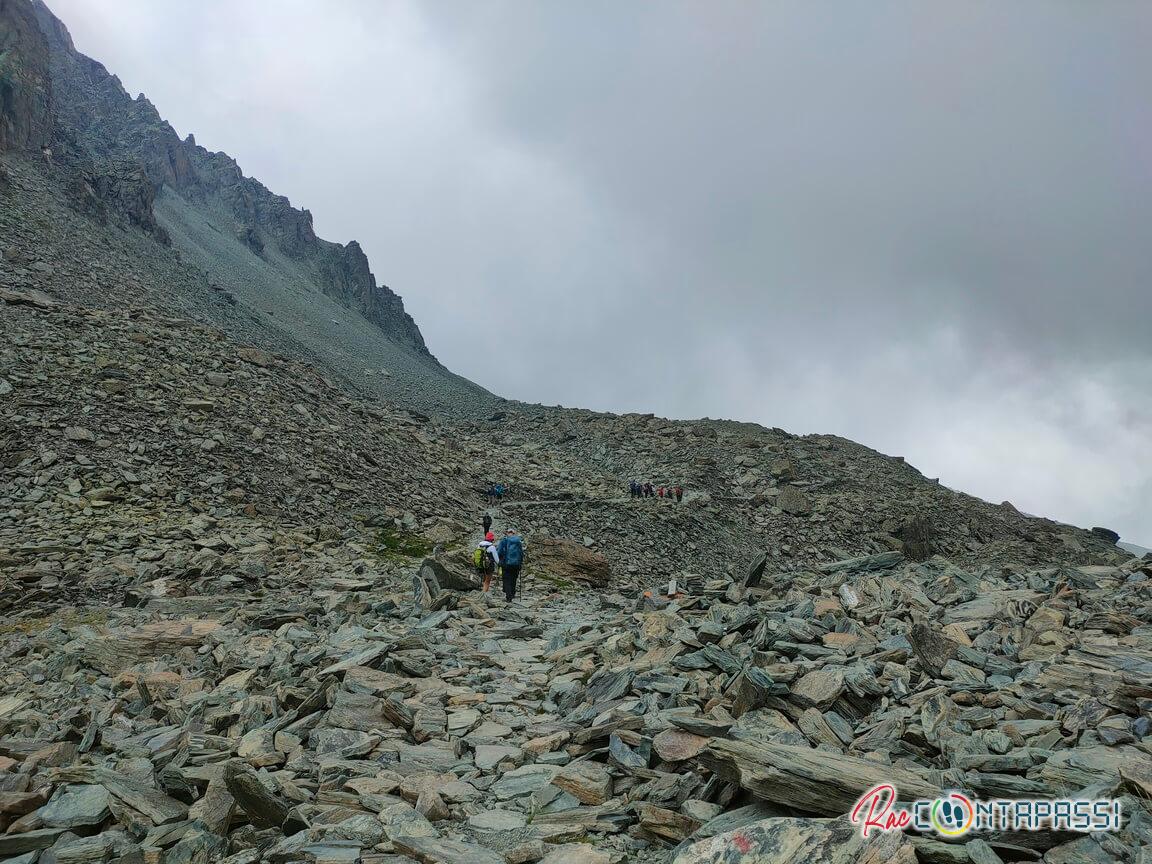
(510, 551)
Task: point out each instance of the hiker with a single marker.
(487, 522)
(46, 154)
(647, 489)
(634, 489)
(499, 490)
(486, 559)
(510, 551)
(660, 492)
(679, 494)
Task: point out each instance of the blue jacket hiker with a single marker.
(510, 550)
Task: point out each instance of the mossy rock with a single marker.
(29, 626)
(397, 544)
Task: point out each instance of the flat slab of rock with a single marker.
(576, 853)
(488, 756)
(524, 781)
(498, 820)
(76, 807)
(30, 841)
(587, 781)
(434, 850)
(449, 574)
(880, 561)
(800, 841)
(673, 745)
(28, 297)
(815, 781)
(158, 807)
(115, 651)
(819, 688)
(666, 823)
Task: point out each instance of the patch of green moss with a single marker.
(395, 544)
(555, 581)
(28, 626)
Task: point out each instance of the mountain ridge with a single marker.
(123, 127)
(225, 248)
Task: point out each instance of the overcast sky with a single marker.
(926, 227)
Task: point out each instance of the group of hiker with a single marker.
(495, 492)
(636, 489)
(505, 558)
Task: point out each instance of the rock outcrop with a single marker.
(568, 563)
(25, 80)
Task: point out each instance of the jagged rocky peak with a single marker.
(120, 145)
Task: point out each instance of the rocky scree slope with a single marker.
(804, 500)
(211, 649)
(277, 694)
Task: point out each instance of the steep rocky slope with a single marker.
(25, 88)
(113, 158)
(95, 114)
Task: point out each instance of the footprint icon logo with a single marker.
(952, 816)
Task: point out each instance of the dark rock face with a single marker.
(25, 86)
(127, 189)
(1106, 534)
(448, 574)
(918, 538)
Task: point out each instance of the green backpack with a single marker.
(482, 559)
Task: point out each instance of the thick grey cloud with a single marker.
(925, 227)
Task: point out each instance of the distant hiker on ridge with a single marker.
(510, 551)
